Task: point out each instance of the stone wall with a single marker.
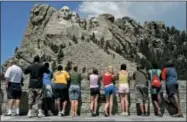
(85, 94)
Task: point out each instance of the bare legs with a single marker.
(10, 106)
(122, 96)
(93, 104)
(58, 105)
(74, 107)
(109, 103)
(126, 103)
(175, 102)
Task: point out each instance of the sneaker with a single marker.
(49, 113)
(62, 113)
(59, 113)
(40, 115)
(17, 114)
(126, 114)
(29, 114)
(142, 114)
(8, 114)
(178, 115)
(146, 114)
(159, 115)
(94, 114)
(123, 113)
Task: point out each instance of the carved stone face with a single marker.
(37, 15)
(94, 23)
(82, 23)
(65, 12)
(75, 17)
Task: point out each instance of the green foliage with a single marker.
(16, 49)
(102, 42)
(54, 66)
(62, 46)
(82, 38)
(173, 30)
(74, 39)
(54, 48)
(60, 54)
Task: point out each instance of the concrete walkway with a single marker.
(98, 118)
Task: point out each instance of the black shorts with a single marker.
(61, 94)
(171, 89)
(94, 91)
(14, 91)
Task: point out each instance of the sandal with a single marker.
(178, 115)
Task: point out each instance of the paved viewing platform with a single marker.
(98, 118)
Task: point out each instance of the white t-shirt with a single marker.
(14, 74)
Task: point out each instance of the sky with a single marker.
(15, 16)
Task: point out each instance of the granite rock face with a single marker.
(60, 36)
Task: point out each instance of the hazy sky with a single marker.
(15, 16)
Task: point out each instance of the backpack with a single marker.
(155, 79)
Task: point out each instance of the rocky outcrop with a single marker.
(59, 36)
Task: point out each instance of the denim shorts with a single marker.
(74, 92)
(109, 90)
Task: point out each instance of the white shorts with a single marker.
(123, 88)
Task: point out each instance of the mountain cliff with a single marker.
(60, 36)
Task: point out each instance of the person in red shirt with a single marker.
(109, 89)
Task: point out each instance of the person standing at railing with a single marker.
(141, 89)
(169, 74)
(13, 82)
(48, 94)
(61, 78)
(156, 87)
(75, 90)
(35, 94)
(109, 88)
(123, 89)
(94, 80)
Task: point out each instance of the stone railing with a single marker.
(84, 107)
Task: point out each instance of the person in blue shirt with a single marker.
(169, 74)
(48, 94)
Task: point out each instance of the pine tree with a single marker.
(16, 49)
(168, 30)
(173, 30)
(62, 46)
(75, 39)
(54, 66)
(92, 37)
(38, 43)
(102, 42)
(82, 37)
(60, 54)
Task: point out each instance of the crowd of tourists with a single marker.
(65, 85)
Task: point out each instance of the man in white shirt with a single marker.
(14, 82)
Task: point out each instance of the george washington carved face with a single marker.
(65, 12)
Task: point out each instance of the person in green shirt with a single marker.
(156, 92)
(74, 90)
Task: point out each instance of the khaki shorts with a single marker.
(35, 96)
(141, 94)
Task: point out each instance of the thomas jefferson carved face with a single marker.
(75, 17)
